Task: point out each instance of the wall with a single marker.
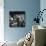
(43, 6)
(1, 21)
(30, 7)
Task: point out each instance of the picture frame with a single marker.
(17, 19)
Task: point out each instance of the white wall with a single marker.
(1, 21)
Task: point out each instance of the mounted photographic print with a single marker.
(17, 18)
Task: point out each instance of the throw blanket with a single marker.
(28, 39)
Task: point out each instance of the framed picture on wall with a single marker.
(17, 18)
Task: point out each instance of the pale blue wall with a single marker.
(43, 6)
(30, 7)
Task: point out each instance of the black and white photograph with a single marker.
(17, 18)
